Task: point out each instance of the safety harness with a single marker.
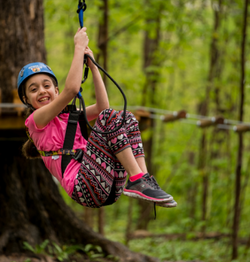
(79, 116)
(67, 152)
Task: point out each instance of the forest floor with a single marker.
(23, 258)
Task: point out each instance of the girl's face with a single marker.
(40, 90)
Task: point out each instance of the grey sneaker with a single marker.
(146, 188)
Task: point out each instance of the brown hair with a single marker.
(29, 149)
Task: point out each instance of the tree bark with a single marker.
(151, 46)
(236, 219)
(129, 221)
(101, 222)
(21, 40)
(32, 208)
(203, 173)
(102, 39)
(102, 59)
(204, 110)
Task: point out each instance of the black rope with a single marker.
(82, 103)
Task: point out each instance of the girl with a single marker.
(100, 178)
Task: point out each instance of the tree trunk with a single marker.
(102, 60)
(236, 220)
(21, 40)
(151, 46)
(204, 110)
(102, 39)
(32, 208)
(204, 176)
(129, 221)
(101, 222)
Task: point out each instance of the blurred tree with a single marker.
(213, 74)
(237, 207)
(103, 53)
(151, 64)
(103, 39)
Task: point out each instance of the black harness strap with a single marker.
(75, 116)
(83, 126)
(69, 137)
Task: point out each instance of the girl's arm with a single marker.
(45, 114)
(102, 101)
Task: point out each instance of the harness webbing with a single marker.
(69, 137)
(71, 152)
(83, 125)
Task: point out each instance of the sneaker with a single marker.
(172, 203)
(146, 188)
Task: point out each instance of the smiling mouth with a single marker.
(43, 99)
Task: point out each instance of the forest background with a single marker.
(171, 56)
(195, 66)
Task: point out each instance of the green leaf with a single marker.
(28, 246)
(88, 247)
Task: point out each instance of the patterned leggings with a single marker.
(101, 178)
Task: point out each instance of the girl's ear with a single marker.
(57, 90)
(25, 99)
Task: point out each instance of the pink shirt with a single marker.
(51, 138)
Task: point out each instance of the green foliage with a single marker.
(176, 250)
(93, 252)
(38, 249)
(62, 253)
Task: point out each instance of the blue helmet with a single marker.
(29, 70)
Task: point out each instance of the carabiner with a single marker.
(86, 72)
(81, 6)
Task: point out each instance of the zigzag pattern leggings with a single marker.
(101, 178)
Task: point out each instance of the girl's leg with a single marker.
(94, 180)
(134, 136)
(140, 183)
(129, 162)
(94, 184)
(142, 164)
(102, 176)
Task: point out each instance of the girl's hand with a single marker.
(91, 65)
(81, 38)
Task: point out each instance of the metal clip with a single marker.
(81, 6)
(86, 72)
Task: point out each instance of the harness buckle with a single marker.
(78, 155)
